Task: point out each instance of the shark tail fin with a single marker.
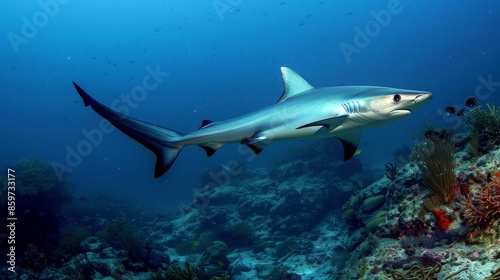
(164, 143)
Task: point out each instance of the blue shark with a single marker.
(302, 112)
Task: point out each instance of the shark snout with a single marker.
(424, 97)
(421, 99)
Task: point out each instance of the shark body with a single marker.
(302, 112)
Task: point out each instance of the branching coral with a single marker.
(437, 164)
(241, 234)
(132, 241)
(391, 171)
(483, 209)
(485, 128)
(34, 176)
(479, 120)
(495, 275)
(41, 196)
(84, 266)
(113, 228)
(432, 203)
(188, 273)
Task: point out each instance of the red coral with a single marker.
(442, 221)
(464, 189)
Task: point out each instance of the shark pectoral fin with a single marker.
(210, 148)
(329, 123)
(350, 143)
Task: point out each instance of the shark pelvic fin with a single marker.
(330, 123)
(257, 142)
(350, 143)
(294, 84)
(257, 147)
(210, 148)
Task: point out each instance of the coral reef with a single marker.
(495, 275)
(484, 129)
(177, 273)
(437, 164)
(418, 272)
(483, 208)
(285, 222)
(442, 221)
(41, 195)
(84, 266)
(34, 176)
(133, 241)
(70, 240)
(391, 171)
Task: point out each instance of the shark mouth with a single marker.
(402, 111)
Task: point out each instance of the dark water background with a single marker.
(223, 59)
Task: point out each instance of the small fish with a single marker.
(461, 113)
(471, 102)
(450, 110)
(358, 151)
(437, 136)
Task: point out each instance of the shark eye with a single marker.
(396, 98)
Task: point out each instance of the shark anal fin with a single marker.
(330, 123)
(210, 152)
(350, 143)
(210, 148)
(205, 123)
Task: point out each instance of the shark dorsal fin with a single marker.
(294, 84)
(205, 123)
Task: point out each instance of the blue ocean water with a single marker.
(222, 59)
